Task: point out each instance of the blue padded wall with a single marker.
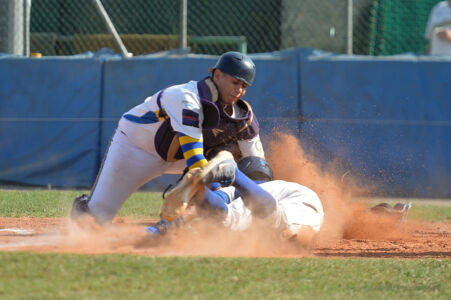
(387, 120)
(49, 110)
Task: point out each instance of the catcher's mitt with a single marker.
(176, 200)
(188, 190)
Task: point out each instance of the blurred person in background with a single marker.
(438, 30)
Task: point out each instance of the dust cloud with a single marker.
(344, 219)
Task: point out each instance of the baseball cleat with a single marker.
(158, 229)
(154, 230)
(381, 207)
(220, 169)
(399, 211)
(403, 209)
(80, 207)
(162, 226)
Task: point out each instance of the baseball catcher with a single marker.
(178, 127)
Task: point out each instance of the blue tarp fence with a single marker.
(387, 119)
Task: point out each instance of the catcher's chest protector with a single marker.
(230, 130)
(218, 127)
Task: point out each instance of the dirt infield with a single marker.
(413, 239)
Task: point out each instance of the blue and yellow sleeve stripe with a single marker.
(193, 151)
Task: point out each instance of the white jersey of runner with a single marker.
(297, 207)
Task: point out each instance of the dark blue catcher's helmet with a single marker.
(256, 168)
(238, 65)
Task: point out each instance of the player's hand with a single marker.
(444, 34)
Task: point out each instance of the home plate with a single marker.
(25, 244)
(22, 237)
(18, 231)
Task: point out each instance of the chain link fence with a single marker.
(369, 27)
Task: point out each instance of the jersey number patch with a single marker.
(190, 118)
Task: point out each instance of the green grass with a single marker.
(57, 203)
(422, 210)
(430, 213)
(43, 276)
(26, 275)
